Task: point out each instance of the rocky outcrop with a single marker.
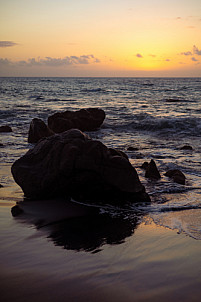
(71, 164)
(85, 120)
(152, 170)
(177, 176)
(5, 128)
(37, 130)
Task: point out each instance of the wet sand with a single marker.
(74, 254)
(154, 264)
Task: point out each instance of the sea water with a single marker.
(155, 116)
(135, 252)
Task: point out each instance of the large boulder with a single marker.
(37, 130)
(85, 120)
(71, 164)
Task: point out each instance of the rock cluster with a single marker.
(84, 119)
(151, 170)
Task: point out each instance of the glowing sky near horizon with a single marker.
(100, 38)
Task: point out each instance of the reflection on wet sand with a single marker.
(75, 226)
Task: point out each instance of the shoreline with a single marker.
(153, 264)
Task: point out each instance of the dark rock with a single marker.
(5, 128)
(37, 130)
(186, 147)
(132, 148)
(1, 186)
(152, 171)
(1, 145)
(72, 164)
(117, 152)
(176, 175)
(85, 120)
(145, 165)
(16, 210)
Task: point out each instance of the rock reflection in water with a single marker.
(74, 226)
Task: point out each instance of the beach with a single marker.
(153, 264)
(66, 250)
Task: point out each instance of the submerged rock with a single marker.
(130, 148)
(186, 147)
(37, 130)
(71, 164)
(177, 176)
(5, 128)
(85, 120)
(152, 170)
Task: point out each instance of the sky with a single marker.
(100, 38)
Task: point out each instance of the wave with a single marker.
(101, 90)
(163, 208)
(187, 222)
(146, 122)
(60, 100)
(36, 97)
(175, 100)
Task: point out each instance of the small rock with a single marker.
(1, 186)
(132, 148)
(152, 171)
(38, 130)
(186, 147)
(176, 175)
(16, 210)
(5, 128)
(144, 166)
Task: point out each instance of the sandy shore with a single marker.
(61, 251)
(154, 264)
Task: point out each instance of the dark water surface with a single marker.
(134, 253)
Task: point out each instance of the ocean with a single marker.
(154, 116)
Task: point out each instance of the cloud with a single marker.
(138, 55)
(7, 44)
(54, 62)
(186, 53)
(153, 56)
(194, 59)
(5, 62)
(196, 50)
(167, 60)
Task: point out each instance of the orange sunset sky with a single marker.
(100, 38)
